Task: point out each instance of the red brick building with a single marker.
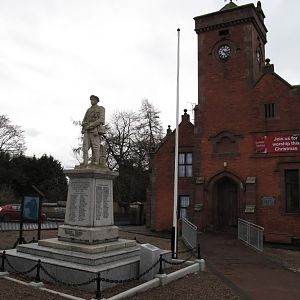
(241, 157)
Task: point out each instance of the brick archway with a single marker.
(225, 193)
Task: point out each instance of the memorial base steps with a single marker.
(76, 267)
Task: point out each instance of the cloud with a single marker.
(32, 132)
(56, 53)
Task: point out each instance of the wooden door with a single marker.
(227, 204)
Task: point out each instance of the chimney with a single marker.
(185, 117)
(169, 130)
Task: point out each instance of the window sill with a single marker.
(291, 214)
(185, 178)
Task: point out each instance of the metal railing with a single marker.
(40, 268)
(7, 226)
(189, 233)
(251, 234)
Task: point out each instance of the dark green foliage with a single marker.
(131, 184)
(19, 173)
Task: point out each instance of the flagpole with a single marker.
(175, 208)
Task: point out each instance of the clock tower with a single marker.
(231, 55)
(231, 45)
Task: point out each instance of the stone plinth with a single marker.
(76, 263)
(120, 244)
(88, 235)
(88, 243)
(89, 212)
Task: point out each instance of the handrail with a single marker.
(189, 223)
(252, 224)
(189, 233)
(250, 233)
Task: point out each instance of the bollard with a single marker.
(2, 261)
(199, 254)
(173, 242)
(160, 265)
(38, 267)
(98, 291)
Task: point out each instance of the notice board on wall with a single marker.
(277, 144)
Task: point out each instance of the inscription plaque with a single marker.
(78, 201)
(82, 208)
(72, 208)
(73, 233)
(102, 202)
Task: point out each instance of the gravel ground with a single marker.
(187, 288)
(202, 285)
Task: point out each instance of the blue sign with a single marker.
(31, 207)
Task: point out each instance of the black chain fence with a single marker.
(39, 267)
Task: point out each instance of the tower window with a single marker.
(185, 163)
(270, 110)
(224, 32)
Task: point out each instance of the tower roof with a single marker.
(232, 14)
(229, 5)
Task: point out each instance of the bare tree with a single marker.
(131, 136)
(150, 131)
(121, 138)
(12, 139)
(150, 125)
(77, 150)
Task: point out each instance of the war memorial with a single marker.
(88, 242)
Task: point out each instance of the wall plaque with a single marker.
(198, 207)
(250, 209)
(268, 200)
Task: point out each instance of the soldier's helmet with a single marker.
(94, 97)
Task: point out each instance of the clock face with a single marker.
(224, 52)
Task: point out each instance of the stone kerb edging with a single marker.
(162, 279)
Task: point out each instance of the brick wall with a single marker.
(229, 116)
(163, 176)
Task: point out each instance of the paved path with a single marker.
(5, 226)
(247, 271)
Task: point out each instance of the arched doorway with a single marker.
(226, 192)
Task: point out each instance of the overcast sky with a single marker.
(55, 53)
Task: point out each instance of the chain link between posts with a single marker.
(67, 283)
(98, 278)
(52, 277)
(17, 271)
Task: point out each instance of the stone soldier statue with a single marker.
(93, 127)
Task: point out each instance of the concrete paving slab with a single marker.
(248, 271)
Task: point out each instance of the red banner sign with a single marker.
(277, 144)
